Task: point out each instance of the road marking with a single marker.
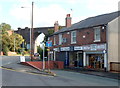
(26, 72)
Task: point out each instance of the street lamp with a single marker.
(31, 34)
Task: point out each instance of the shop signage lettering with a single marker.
(78, 48)
(51, 52)
(91, 47)
(56, 49)
(65, 49)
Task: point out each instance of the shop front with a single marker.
(70, 57)
(90, 56)
(62, 54)
(94, 55)
(76, 58)
(95, 60)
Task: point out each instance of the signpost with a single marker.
(48, 44)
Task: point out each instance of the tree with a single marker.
(5, 27)
(7, 41)
(40, 51)
(15, 42)
(4, 38)
(50, 32)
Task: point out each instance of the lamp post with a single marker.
(43, 47)
(31, 34)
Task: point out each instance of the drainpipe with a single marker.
(106, 53)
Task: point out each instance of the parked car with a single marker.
(37, 56)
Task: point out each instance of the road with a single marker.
(64, 78)
(10, 59)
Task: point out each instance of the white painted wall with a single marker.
(113, 41)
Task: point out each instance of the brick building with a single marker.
(86, 43)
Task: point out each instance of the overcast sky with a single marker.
(46, 12)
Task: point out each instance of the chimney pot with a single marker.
(56, 26)
(68, 20)
(68, 15)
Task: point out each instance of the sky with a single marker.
(46, 12)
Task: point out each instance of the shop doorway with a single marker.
(73, 59)
(80, 59)
(96, 61)
(76, 59)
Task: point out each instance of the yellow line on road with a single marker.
(25, 72)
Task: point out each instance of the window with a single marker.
(60, 39)
(54, 40)
(73, 37)
(96, 34)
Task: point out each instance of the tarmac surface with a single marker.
(24, 68)
(108, 74)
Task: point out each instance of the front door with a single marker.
(80, 59)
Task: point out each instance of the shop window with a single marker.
(73, 37)
(97, 34)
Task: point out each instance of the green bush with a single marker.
(5, 50)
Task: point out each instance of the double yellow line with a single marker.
(25, 72)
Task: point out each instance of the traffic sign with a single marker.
(48, 43)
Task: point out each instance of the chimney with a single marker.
(56, 26)
(68, 20)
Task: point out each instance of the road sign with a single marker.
(48, 43)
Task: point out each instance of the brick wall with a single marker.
(84, 37)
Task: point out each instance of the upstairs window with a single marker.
(60, 39)
(96, 34)
(73, 37)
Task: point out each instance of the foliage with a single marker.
(15, 40)
(7, 41)
(5, 50)
(50, 31)
(60, 27)
(40, 51)
(4, 38)
(4, 28)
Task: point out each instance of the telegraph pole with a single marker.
(32, 34)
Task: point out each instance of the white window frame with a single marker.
(73, 36)
(97, 34)
(60, 39)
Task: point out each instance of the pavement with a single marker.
(23, 68)
(108, 74)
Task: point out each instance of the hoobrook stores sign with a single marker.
(91, 47)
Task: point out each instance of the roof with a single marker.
(91, 22)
